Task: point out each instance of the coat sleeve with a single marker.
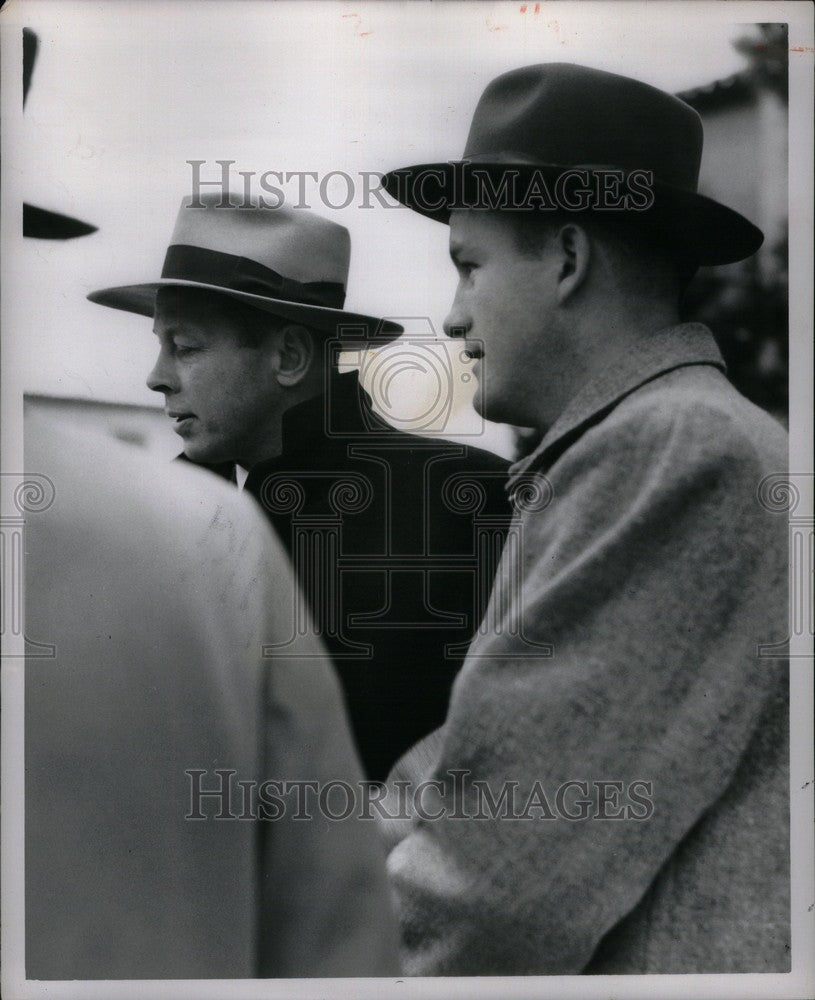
(653, 576)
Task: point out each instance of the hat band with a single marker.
(240, 274)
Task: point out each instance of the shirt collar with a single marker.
(661, 352)
(241, 475)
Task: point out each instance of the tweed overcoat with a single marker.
(627, 700)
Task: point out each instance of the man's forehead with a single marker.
(471, 229)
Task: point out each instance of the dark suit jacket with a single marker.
(395, 540)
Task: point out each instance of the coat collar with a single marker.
(343, 410)
(316, 433)
(669, 348)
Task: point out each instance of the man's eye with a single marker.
(183, 349)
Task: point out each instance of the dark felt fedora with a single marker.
(284, 261)
(564, 136)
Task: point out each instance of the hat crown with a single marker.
(552, 118)
(284, 260)
(569, 115)
(292, 242)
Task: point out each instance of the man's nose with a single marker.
(456, 325)
(162, 378)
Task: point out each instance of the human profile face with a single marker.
(220, 389)
(504, 308)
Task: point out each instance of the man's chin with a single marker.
(203, 455)
(498, 411)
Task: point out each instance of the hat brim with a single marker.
(707, 230)
(141, 299)
(43, 224)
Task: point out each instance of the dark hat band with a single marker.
(240, 274)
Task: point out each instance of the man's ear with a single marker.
(294, 354)
(574, 249)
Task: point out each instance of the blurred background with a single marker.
(123, 95)
(745, 166)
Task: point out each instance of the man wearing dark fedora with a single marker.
(617, 802)
(250, 321)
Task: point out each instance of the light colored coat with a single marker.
(654, 573)
(159, 587)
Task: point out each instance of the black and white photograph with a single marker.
(407, 499)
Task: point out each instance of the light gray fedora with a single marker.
(283, 260)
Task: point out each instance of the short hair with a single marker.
(255, 324)
(642, 256)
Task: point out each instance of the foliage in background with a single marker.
(745, 305)
(747, 312)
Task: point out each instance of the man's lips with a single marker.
(182, 419)
(475, 354)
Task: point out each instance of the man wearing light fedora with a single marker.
(249, 317)
(625, 793)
